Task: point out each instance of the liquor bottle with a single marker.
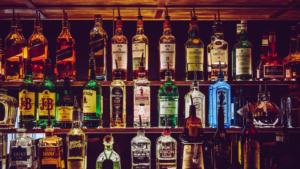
(222, 144)
(242, 56)
(141, 97)
(139, 48)
(288, 61)
(194, 52)
(272, 67)
(141, 149)
(233, 52)
(76, 142)
(9, 109)
(65, 52)
(27, 97)
(249, 148)
(167, 50)
(119, 50)
(219, 53)
(37, 51)
(24, 41)
(117, 100)
(46, 97)
(198, 100)
(215, 91)
(208, 50)
(98, 39)
(168, 102)
(295, 61)
(21, 149)
(108, 158)
(14, 53)
(258, 73)
(238, 101)
(3, 152)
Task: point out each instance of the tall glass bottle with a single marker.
(117, 101)
(98, 40)
(258, 74)
(119, 50)
(24, 41)
(167, 50)
(238, 101)
(233, 52)
(212, 38)
(139, 47)
(288, 64)
(92, 92)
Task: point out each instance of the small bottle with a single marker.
(258, 74)
(208, 50)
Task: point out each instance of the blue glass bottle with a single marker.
(215, 91)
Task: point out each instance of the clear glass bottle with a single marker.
(212, 38)
(258, 74)
(98, 40)
(108, 158)
(288, 60)
(290, 107)
(9, 107)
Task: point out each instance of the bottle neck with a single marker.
(244, 35)
(168, 78)
(249, 121)
(221, 119)
(141, 132)
(108, 147)
(66, 87)
(48, 75)
(36, 30)
(98, 22)
(194, 32)
(167, 31)
(119, 27)
(140, 27)
(65, 30)
(260, 96)
(28, 72)
(219, 36)
(14, 29)
(267, 96)
(92, 72)
(293, 46)
(76, 124)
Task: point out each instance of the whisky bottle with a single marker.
(194, 52)
(108, 158)
(14, 53)
(222, 143)
(212, 38)
(37, 51)
(98, 39)
(27, 97)
(258, 74)
(9, 108)
(46, 97)
(119, 50)
(65, 52)
(139, 47)
(24, 41)
(117, 100)
(288, 60)
(167, 50)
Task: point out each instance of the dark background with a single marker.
(153, 30)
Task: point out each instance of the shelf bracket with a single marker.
(32, 6)
(159, 12)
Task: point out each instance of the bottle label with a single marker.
(222, 151)
(140, 153)
(167, 149)
(36, 51)
(168, 107)
(274, 71)
(47, 102)
(97, 45)
(198, 102)
(76, 146)
(218, 55)
(19, 154)
(27, 102)
(192, 157)
(224, 105)
(287, 73)
(141, 167)
(251, 152)
(64, 53)
(265, 42)
(13, 50)
(137, 50)
(117, 101)
(167, 55)
(64, 113)
(49, 155)
(243, 61)
(76, 163)
(194, 59)
(119, 53)
(258, 73)
(142, 96)
(89, 101)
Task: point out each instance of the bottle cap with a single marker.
(119, 15)
(139, 14)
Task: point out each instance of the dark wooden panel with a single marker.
(96, 2)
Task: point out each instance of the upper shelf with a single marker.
(153, 9)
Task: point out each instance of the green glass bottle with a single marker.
(27, 97)
(168, 102)
(92, 115)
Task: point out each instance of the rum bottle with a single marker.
(258, 73)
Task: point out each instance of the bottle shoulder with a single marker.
(166, 139)
(92, 84)
(76, 132)
(140, 139)
(140, 39)
(119, 39)
(167, 39)
(118, 83)
(243, 44)
(194, 43)
(46, 85)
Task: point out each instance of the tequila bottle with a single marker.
(139, 47)
(208, 50)
(215, 91)
(108, 158)
(92, 92)
(24, 41)
(9, 108)
(258, 74)
(117, 101)
(98, 39)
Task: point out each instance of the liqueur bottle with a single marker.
(288, 65)
(167, 50)
(98, 40)
(222, 144)
(37, 51)
(198, 100)
(27, 97)
(14, 53)
(65, 52)
(208, 50)
(46, 98)
(239, 101)
(119, 50)
(194, 52)
(139, 48)
(168, 102)
(117, 101)
(258, 74)
(24, 41)
(141, 97)
(108, 158)
(215, 90)
(8, 108)
(233, 52)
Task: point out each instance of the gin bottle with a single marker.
(108, 158)
(215, 91)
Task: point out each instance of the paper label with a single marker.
(194, 59)
(140, 153)
(168, 107)
(287, 73)
(19, 154)
(167, 150)
(138, 49)
(97, 45)
(258, 73)
(218, 55)
(119, 53)
(274, 71)
(64, 113)
(188, 155)
(225, 103)
(13, 50)
(142, 96)
(117, 100)
(46, 103)
(167, 55)
(243, 61)
(65, 53)
(76, 146)
(27, 102)
(198, 102)
(36, 51)
(89, 101)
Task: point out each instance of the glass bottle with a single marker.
(141, 97)
(288, 61)
(295, 62)
(65, 52)
(24, 41)
(290, 106)
(139, 47)
(119, 50)
(92, 92)
(46, 97)
(212, 38)
(260, 97)
(117, 101)
(8, 108)
(258, 73)
(194, 53)
(233, 52)
(27, 97)
(239, 100)
(215, 91)
(98, 40)
(108, 158)
(167, 50)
